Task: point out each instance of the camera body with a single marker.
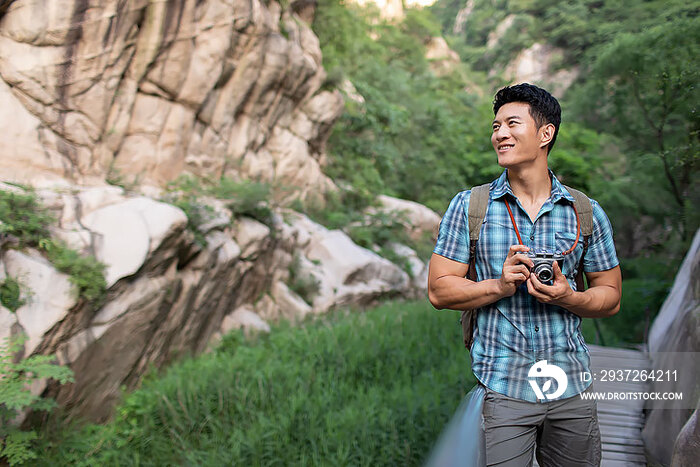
(543, 260)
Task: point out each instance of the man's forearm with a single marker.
(457, 293)
(597, 302)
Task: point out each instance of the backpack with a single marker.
(478, 204)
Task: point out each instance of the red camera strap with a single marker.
(517, 232)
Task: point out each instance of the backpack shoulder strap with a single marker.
(478, 203)
(585, 213)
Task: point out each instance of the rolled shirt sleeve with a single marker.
(601, 254)
(453, 236)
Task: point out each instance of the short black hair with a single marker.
(544, 108)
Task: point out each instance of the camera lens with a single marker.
(544, 272)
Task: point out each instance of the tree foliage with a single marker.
(16, 376)
(642, 87)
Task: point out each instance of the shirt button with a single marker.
(532, 237)
(537, 328)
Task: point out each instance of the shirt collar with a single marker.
(501, 186)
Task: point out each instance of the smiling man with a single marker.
(528, 350)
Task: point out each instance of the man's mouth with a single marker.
(505, 146)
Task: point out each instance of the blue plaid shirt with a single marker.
(515, 332)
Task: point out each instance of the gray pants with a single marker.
(565, 432)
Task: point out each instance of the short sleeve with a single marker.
(453, 237)
(601, 254)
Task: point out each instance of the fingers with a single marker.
(516, 268)
(517, 249)
(555, 293)
(515, 271)
(513, 256)
(532, 290)
(537, 285)
(543, 293)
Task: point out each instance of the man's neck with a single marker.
(532, 186)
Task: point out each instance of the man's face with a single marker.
(515, 137)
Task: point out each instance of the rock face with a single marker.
(535, 65)
(676, 329)
(686, 450)
(462, 17)
(148, 90)
(442, 59)
(169, 296)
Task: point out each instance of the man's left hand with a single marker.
(556, 294)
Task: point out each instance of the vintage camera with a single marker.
(543, 260)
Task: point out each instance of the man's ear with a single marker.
(546, 134)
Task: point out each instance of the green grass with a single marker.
(350, 388)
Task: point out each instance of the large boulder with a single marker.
(47, 293)
(417, 219)
(345, 272)
(127, 232)
(8, 320)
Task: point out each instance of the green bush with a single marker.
(421, 24)
(372, 388)
(196, 211)
(340, 208)
(16, 446)
(23, 218)
(85, 272)
(242, 198)
(245, 198)
(10, 294)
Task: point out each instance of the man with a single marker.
(520, 320)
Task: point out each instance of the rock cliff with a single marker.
(148, 90)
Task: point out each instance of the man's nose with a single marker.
(502, 133)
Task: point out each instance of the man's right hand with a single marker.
(516, 270)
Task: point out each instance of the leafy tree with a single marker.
(643, 88)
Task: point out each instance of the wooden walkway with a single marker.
(621, 422)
